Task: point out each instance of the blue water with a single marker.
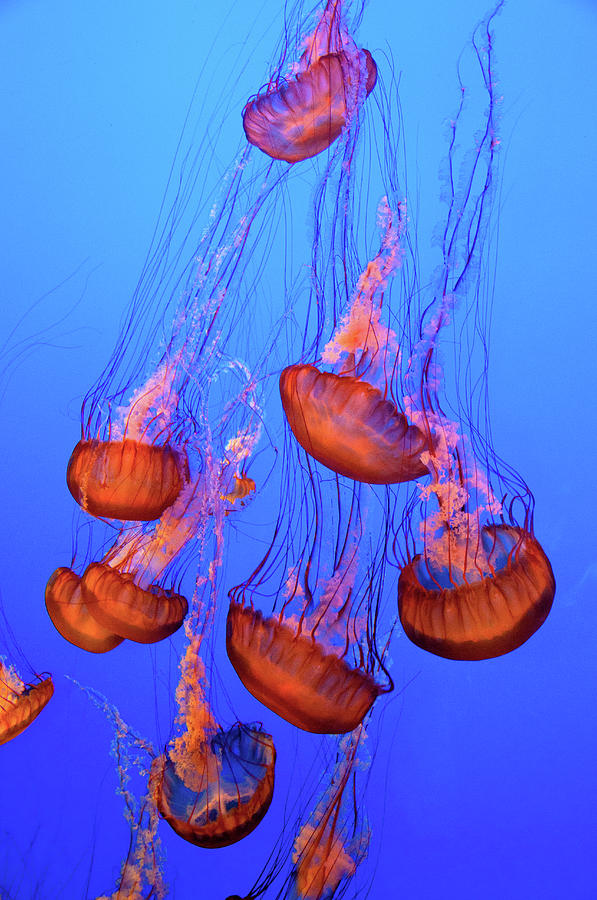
(483, 782)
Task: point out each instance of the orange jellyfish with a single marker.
(343, 420)
(479, 589)
(294, 676)
(299, 117)
(484, 613)
(331, 841)
(71, 617)
(20, 703)
(482, 584)
(330, 846)
(306, 662)
(213, 787)
(127, 479)
(132, 461)
(131, 476)
(226, 788)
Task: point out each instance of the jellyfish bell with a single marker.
(347, 425)
(342, 419)
(314, 660)
(226, 789)
(119, 604)
(20, 703)
(485, 613)
(128, 479)
(303, 115)
(294, 676)
(71, 617)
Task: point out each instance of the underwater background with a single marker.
(483, 774)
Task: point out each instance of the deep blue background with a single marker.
(485, 778)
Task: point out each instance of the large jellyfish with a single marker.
(343, 419)
(313, 659)
(482, 584)
(212, 786)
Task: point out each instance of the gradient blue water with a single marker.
(485, 782)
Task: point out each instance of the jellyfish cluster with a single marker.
(331, 414)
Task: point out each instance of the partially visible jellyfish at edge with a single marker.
(20, 703)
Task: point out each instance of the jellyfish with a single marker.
(313, 660)
(480, 588)
(140, 428)
(294, 676)
(300, 116)
(341, 419)
(482, 584)
(128, 479)
(20, 703)
(71, 617)
(212, 786)
(462, 614)
(331, 845)
(329, 839)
